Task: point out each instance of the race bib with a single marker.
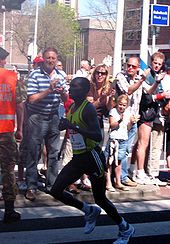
(77, 141)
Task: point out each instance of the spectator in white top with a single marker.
(84, 69)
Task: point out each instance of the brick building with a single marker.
(97, 38)
(97, 43)
(132, 29)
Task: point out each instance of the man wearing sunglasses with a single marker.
(148, 111)
(128, 82)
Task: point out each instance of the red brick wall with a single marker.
(100, 44)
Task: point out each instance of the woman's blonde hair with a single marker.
(106, 84)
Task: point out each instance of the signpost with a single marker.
(160, 15)
(144, 36)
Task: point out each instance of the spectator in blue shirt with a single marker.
(46, 87)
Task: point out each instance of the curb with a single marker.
(139, 193)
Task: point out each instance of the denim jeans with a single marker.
(39, 128)
(122, 149)
(131, 138)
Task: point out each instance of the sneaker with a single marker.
(125, 235)
(22, 186)
(144, 180)
(158, 182)
(91, 219)
(43, 172)
(11, 216)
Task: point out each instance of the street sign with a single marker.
(160, 15)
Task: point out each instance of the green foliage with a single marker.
(58, 27)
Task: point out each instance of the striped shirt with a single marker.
(39, 81)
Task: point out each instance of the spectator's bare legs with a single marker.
(144, 132)
(109, 186)
(168, 162)
(85, 183)
(132, 168)
(117, 170)
(118, 184)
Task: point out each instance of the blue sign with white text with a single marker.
(160, 15)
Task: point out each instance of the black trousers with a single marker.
(85, 163)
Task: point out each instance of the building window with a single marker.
(138, 35)
(129, 35)
(67, 2)
(133, 35)
(130, 13)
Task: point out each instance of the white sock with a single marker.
(86, 208)
(141, 172)
(123, 225)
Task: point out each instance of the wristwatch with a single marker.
(119, 121)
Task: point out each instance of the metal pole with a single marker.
(144, 36)
(4, 30)
(154, 35)
(118, 38)
(11, 38)
(74, 60)
(35, 31)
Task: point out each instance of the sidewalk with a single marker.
(139, 193)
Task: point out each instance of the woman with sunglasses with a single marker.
(101, 94)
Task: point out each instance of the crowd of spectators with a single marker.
(136, 105)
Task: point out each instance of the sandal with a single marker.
(111, 189)
(122, 187)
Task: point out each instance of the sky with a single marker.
(84, 8)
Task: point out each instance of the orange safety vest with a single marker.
(8, 81)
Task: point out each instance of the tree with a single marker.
(104, 11)
(58, 27)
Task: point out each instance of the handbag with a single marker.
(149, 115)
